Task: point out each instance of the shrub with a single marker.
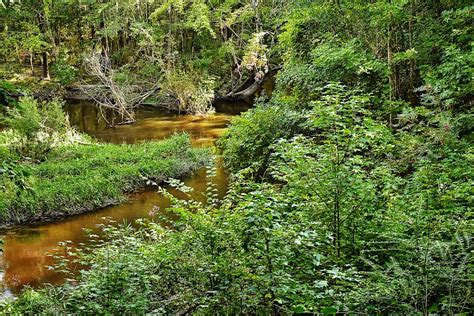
(332, 61)
(246, 144)
(7, 90)
(26, 118)
(28, 303)
(65, 73)
(35, 128)
(192, 93)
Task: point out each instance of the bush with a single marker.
(447, 77)
(192, 92)
(37, 127)
(7, 91)
(29, 302)
(246, 144)
(26, 118)
(332, 61)
(65, 73)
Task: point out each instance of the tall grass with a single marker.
(79, 178)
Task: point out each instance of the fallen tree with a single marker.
(247, 92)
(122, 95)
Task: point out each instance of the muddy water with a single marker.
(27, 249)
(153, 124)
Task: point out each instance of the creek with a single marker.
(28, 249)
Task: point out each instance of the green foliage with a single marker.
(353, 197)
(396, 205)
(255, 55)
(192, 92)
(29, 302)
(219, 259)
(78, 178)
(338, 154)
(350, 64)
(448, 80)
(26, 119)
(332, 61)
(450, 83)
(246, 144)
(125, 281)
(7, 90)
(199, 18)
(351, 216)
(36, 127)
(64, 72)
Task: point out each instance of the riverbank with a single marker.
(81, 178)
(28, 247)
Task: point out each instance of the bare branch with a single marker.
(123, 97)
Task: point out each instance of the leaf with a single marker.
(329, 310)
(299, 309)
(433, 308)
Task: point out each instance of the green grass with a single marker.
(80, 178)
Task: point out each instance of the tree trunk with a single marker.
(44, 55)
(103, 39)
(412, 96)
(31, 64)
(389, 65)
(249, 92)
(45, 66)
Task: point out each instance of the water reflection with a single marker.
(26, 249)
(151, 124)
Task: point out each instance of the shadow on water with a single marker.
(27, 249)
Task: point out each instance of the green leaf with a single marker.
(299, 309)
(433, 308)
(329, 310)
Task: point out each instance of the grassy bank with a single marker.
(79, 178)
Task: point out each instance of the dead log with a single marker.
(248, 94)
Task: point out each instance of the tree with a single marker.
(118, 92)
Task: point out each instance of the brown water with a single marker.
(151, 124)
(27, 249)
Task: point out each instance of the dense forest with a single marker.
(351, 175)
